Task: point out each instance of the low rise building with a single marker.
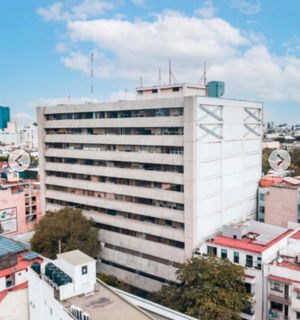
(19, 204)
(284, 282)
(279, 200)
(253, 245)
(15, 259)
(67, 289)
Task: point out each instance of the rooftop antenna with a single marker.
(92, 77)
(159, 77)
(170, 72)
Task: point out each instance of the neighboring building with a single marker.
(67, 289)
(279, 200)
(253, 245)
(284, 282)
(156, 175)
(20, 205)
(29, 137)
(270, 144)
(15, 260)
(4, 117)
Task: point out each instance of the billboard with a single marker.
(8, 220)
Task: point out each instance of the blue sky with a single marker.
(254, 46)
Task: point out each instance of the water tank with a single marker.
(215, 89)
(36, 266)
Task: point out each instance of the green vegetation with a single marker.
(295, 165)
(69, 228)
(212, 289)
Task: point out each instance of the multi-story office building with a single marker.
(4, 117)
(157, 174)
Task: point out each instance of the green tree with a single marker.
(69, 228)
(211, 289)
(265, 160)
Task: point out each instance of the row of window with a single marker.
(236, 257)
(121, 181)
(157, 112)
(116, 147)
(118, 164)
(118, 131)
(126, 215)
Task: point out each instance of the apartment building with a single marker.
(20, 205)
(15, 259)
(279, 200)
(157, 174)
(255, 246)
(284, 282)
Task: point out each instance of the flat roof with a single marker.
(259, 237)
(10, 246)
(75, 257)
(106, 304)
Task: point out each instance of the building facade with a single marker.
(156, 174)
(4, 117)
(255, 246)
(20, 206)
(279, 200)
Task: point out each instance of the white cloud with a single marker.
(246, 7)
(53, 13)
(49, 102)
(140, 3)
(126, 50)
(91, 8)
(208, 10)
(122, 95)
(23, 118)
(85, 9)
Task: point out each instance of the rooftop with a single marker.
(250, 236)
(106, 304)
(10, 246)
(75, 257)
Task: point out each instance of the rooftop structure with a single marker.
(15, 259)
(83, 297)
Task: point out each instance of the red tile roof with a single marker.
(289, 265)
(21, 265)
(286, 280)
(296, 235)
(247, 244)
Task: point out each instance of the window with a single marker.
(262, 209)
(276, 306)
(297, 315)
(223, 253)
(236, 257)
(211, 250)
(262, 197)
(298, 294)
(84, 270)
(249, 261)
(175, 89)
(258, 263)
(276, 286)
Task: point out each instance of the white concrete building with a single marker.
(156, 174)
(29, 136)
(253, 245)
(284, 282)
(67, 289)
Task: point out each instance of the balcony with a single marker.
(143, 157)
(145, 140)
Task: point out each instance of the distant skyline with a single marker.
(254, 46)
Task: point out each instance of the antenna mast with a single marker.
(204, 74)
(92, 77)
(170, 72)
